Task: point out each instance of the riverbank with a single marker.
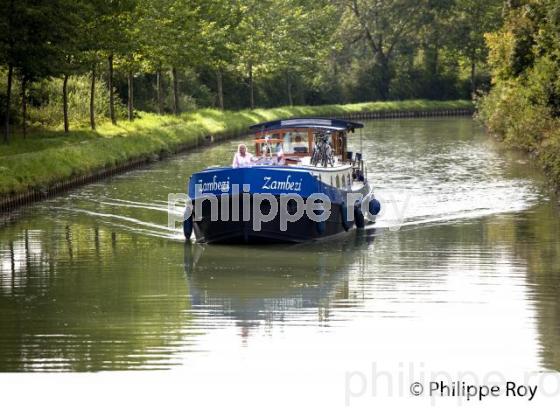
(519, 124)
(50, 161)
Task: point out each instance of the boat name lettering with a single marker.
(214, 185)
(287, 184)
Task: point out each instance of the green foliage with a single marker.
(32, 34)
(549, 155)
(523, 108)
(247, 53)
(47, 100)
(508, 113)
(48, 157)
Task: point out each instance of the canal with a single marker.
(461, 272)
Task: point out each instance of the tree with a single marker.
(34, 33)
(8, 42)
(253, 42)
(219, 23)
(131, 59)
(112, 21)
(74, 48)
(384, 25)
(177, 43)
(300, 39)
(523, 106)
(186, 47)
(154, 14)
(472, 20)
(95, 39)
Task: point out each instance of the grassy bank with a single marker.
(50, 156)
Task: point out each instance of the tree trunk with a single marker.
(385, 78)
(24, 106)
(111, 93)
(130, 96)
(289, 84)
(175, 91)
(220, 84)
(65, 102)
(473, 78)
(8, 98)
(251, 87)
(431, 53)
(158, 86)
(92, 100)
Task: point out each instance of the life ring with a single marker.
(188, 227)
(374, 206)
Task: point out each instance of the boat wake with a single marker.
(453, 179)
(136, 224)
(426, 207)
(400, 209)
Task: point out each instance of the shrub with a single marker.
(511, 113)
(46, 101)
(549, 156)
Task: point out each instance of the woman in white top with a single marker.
(242, 158)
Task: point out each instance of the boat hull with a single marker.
(232, 219)
(217, 230)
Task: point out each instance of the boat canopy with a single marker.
(316, 123)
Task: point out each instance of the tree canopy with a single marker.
(174, 55)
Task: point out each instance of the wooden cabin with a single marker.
(297, 138)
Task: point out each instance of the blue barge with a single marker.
(302, 184)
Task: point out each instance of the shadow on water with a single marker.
(537, 240)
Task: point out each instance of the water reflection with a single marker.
(83, 298)
(536, 238)
(274, 284)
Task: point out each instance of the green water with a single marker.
(461, 271)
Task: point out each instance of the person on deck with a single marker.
(242, 158)
(280, 154)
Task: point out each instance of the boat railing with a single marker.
(355, 159)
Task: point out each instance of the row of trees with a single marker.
(314, 50)
(523, 107)
(524, 104)
(60, 38)
(437, 37)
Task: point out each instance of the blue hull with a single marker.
(236, 187)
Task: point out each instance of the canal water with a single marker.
(461, 273)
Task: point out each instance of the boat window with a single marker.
(340, 146)
(295, 142)
(337, 181)
(271, 135)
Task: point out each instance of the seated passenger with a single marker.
(280, 154)
(242, 158)
(266, 157)
(265, 151)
